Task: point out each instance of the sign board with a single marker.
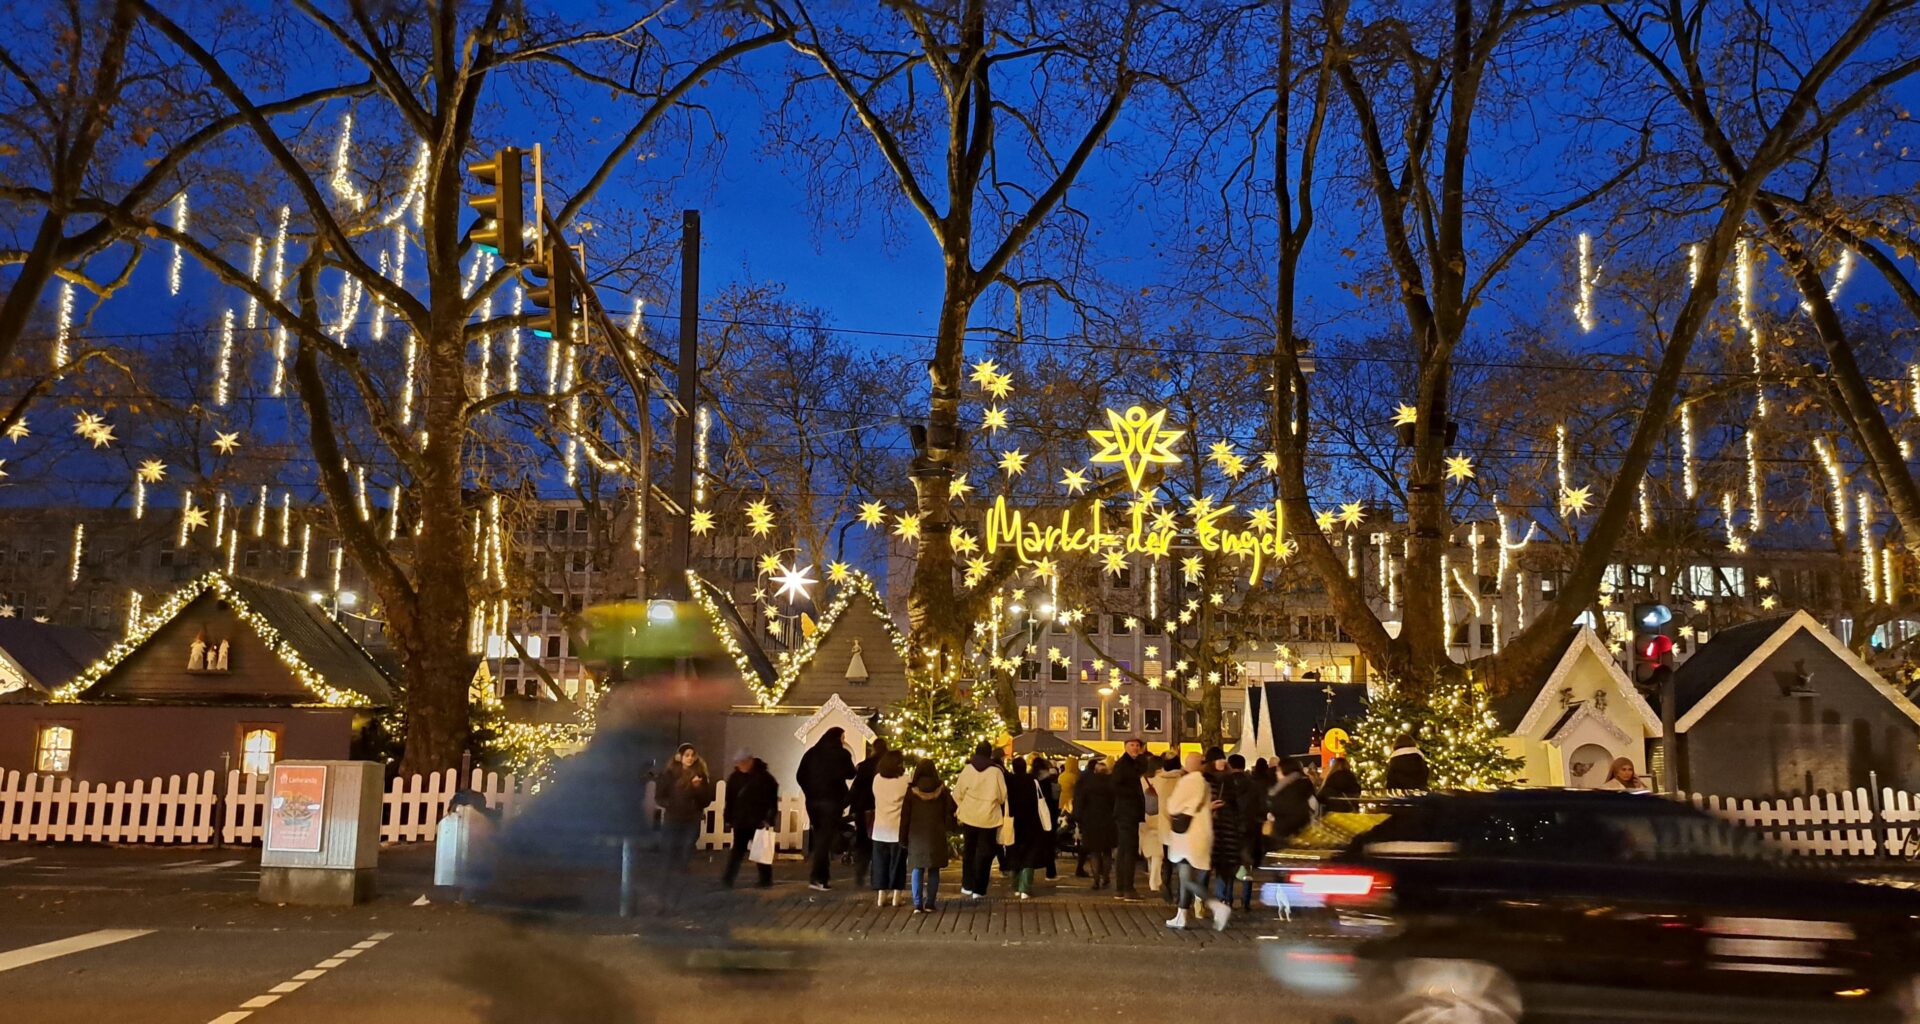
(296, 808)
(1333, 744)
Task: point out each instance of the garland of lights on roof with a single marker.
(309, 677)
(790, 664)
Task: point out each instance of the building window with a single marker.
(1153, 627)
(1029, 670)
(1122, 720)
(53, 749)
(1057, 671)
(560, 520)
(1119, 626)
(1089, 719)
(259, 747)
(1151, 720)
(1123, 580)
(1057, 719)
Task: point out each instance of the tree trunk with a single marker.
(936, 612)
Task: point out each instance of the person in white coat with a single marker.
(1164, 782)
(1191, 847)
(883, 823)
(981, 794)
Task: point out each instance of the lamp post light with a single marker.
(1105, 692)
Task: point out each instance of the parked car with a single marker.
(1553, 905)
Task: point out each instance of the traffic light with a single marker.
(550, 287)
(501, 212)
(1652, 638)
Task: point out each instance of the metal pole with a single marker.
(688, 392)
(626, 877)
(1669, 743)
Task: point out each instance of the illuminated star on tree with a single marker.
(1163, 521)
(1150, 651)
(153, 471)
(1132, 624)
(102, 437)
(984, 372)
(1000, 386)
(963, 542)
(1459, 467)
(195, 518)
(993, 418)
(907, 527)
(1136, 442)
(1013, 462)
(1045, 569)
(1763, 582)
(86, 423)
(18, 429)
(1116, 561)
(1574, 500)
(8, 611)
(794, 582)
(1769, 602)
(1405, 415)
(759, 518)
(1217, 598)
(1192, 569)
(1221, 453)
(701, 522)
(958, 488)
(769, 564)
(1200, 506)
(1074, 481)
(1325, 520)
(225, 443)
(837, 572)
(1270, 461)
(1261, 519)
(1351, 513)
(873, 513)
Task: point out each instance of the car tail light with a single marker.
(1345, 884)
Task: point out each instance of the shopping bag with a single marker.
(1006, 830)
(760, 848)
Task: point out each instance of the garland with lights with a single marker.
(1454, 724)
(791, 663)
(526, 750)
(316, 683)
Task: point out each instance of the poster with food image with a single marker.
(296, 808)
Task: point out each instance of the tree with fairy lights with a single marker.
(1454, 724)
(938, 721)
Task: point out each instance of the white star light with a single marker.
(794, 582)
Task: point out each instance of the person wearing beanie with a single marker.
(753, 803)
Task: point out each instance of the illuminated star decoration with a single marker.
(1013, 462)
(225, 442)
(1000, 386)
(976, 569)
(769, 564)
(759, 518)
(1405, 415)
(18, 430)
(873, 513)
(1351, 513)
(963, 542)
(1137, 442)
(1459, 467)
(837, 572)
(1074, 481)
(153, 471)
(1044, 569)
(1574, 501)
(86, 423)
(993, 418)
(794, 582)
(907, 527)
(1325, 520)
(8, 611)
(958, 488)
(1116, 561)
(195, 518)
(984, 372)
(1163, 520)
(701, 522)
(1261, 519)
(1191, 569)
(1270, 461)
(1769, 602)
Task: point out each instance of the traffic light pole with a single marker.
(688, 391)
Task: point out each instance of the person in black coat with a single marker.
(1093, 811)
(860, 802)
(753, 803)
(1340, 790)
(1032, 841)
(824, 771)
(1130, 772)
(1407, 766)
(1289, 802)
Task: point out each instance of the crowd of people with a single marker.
(1196, 825)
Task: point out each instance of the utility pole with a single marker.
(688, 392)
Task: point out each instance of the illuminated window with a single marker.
(258, 748)
(53, 751)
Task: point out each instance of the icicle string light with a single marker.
(186, 506)
(1743, 283)
(1759, 375)
(379, 329)
(413, 198)
(1755, 490)
(338, 554)
(260, 513)
(1646, 507)
(254, 266)
(306, 547)
(179, 255)
(407, 385)
(139, 496)
(1560, 457)
(1583, 309)
(513, 340)
(233, 549)
(703, 423)
(133, 611)
(1870, 574)
(341, 180)
(79, 552)
(360, 493)
(223, 365)
(1689, 477)
(1726, 514)
(1841, 271)
(63, 327)
(393, 514)
(286, 518)
(1693, 265)
(219, 518)
(277, 281)
(1446, 601)
(1153, 589)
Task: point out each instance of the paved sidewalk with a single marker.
(1069, 916)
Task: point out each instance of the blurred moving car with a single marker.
(1493, 908)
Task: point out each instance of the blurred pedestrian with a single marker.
(860, 802)
(1163, 782)
(1622, 778)
(753, 803)
(980, 793)
(1340, 790)
(1190, 844)
(1407, 766)
(1049, 779)
(824, 771)
(684, 790)
(1130, 774)
(1032, 833)
(926, 817)
(1227, 783)
(1069, 778)
(1290, 802)
(888, 789)
(1152, 843)
(1094, 805)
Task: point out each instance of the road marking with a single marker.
(299, 980)
(6, 861)
(62, 947)
(194, 867)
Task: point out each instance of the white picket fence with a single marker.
(189, 809)
(1823, 825)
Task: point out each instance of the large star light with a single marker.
(1137, 442)
(794, 582)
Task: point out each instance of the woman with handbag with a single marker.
(1093, 811)
(926, 817)
(1190, 842)
(1032, 830)
(753, 803)
(883, 824)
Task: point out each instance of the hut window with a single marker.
(259, 748)
(53, 749)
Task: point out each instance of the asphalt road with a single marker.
(174, 937)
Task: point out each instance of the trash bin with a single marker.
(457, 842)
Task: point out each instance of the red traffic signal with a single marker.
(1656, 648)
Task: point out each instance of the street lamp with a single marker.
(1105, 692)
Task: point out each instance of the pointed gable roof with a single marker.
(771, 682)
(1519, 716)
(1697, 689)
(46, 657)
(326, 661)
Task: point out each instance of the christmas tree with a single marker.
(937, 721)
(1453, 723)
